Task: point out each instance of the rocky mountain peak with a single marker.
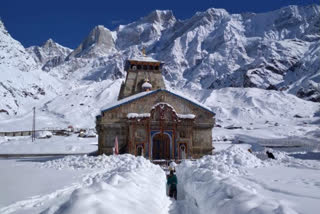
(3, 29)
(161, 16)
(49, 53)
(12, 52)
(98, 42)
(49, 43)
(1, 25)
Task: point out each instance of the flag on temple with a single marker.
(116, 146)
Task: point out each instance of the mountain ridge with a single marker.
(213, 49)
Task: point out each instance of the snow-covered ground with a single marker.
(54, 145)
(231, 181)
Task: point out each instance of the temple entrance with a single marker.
(161, 147)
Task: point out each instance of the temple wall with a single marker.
(107, 135)
(202, 142)
(196, 134)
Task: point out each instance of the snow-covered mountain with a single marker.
(98, 43)
(22, 84)
(49, 55)
(214, 49)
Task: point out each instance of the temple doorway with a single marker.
(161, 147)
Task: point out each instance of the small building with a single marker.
(153, 122)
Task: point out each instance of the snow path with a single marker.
(183, 205)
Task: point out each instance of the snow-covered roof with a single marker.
(144, 115)
(146, 85)
(125, 100)
(146, 93)
(136, 115)
(143, 59)
(186, 116)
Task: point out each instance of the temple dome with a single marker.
(146, 85)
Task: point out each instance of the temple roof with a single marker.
(147, 93)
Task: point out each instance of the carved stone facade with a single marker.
(156, 124)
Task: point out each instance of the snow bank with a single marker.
(95, 162)
(211, 184)
(233, 160)
(126, 184)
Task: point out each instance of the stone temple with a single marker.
(148, 120)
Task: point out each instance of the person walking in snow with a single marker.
(172, 182)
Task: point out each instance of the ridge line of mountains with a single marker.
(277, 50)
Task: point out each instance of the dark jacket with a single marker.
(172, 180)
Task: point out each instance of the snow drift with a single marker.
(211, 185)
(123, 184)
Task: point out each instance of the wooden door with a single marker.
(161, 147)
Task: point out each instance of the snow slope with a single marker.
(22, 84)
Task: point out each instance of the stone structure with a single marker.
(139, 70)
(151, 121)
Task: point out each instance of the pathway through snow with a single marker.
(182, 205)
(232, 181)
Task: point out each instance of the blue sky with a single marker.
(68, 22)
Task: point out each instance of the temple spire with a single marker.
(144, 51)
